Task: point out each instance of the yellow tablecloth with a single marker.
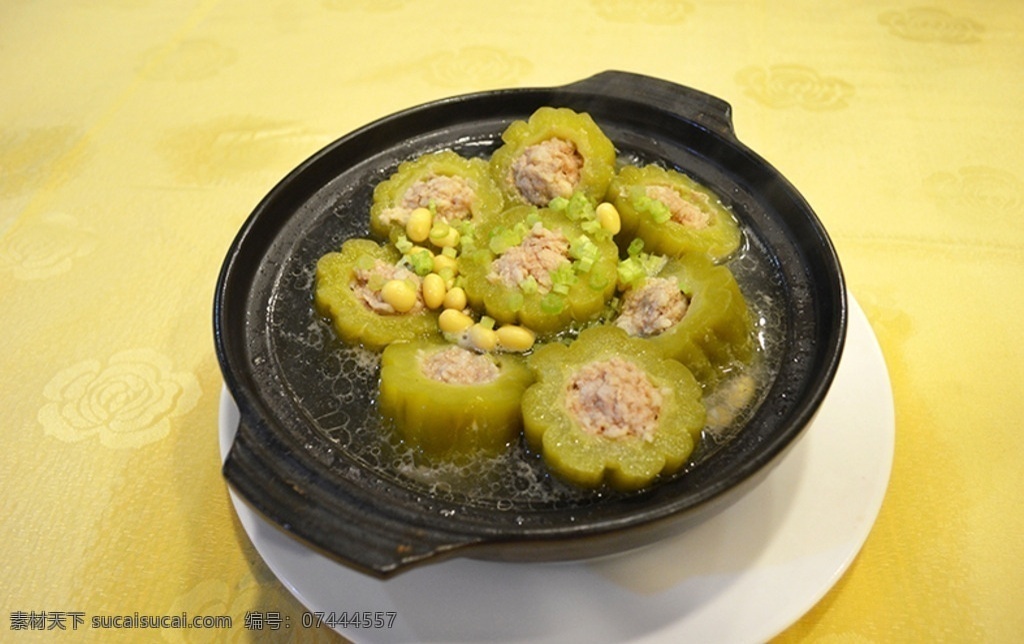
(137, 135)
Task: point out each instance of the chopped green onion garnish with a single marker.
(660, 213)
(403, 244)
(421, 262)
(529, 285)
(653, 263)
(657, 210)
(564, 274)
(591, 227)
(439, 230)
(558, 203)
(502, 239)
(376, 281)
(579, 207)
(630, 270)
(583, 248)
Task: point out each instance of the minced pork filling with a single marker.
(452, 198)
(547, 170)
(456, 365)
(614, 398)
(653, 308)
(540, 252)
(367, 283)
(683, 212)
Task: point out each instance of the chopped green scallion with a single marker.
(529, 285)
(579, 207)
(376, 282)
(502, 239)
(558, 203)
(421, 262)
(403, 244)
(630, 271)
(563, 275)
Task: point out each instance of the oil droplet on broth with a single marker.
(503, 481)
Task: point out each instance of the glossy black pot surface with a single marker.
(309, 455)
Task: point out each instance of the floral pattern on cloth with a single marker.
(127, 402)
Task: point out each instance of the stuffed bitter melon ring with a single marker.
(452, 403)
(555, 153)
(610, 409)
(350, 290)
(540, 269)
(672, 213)
(456, 189)
(692, 311)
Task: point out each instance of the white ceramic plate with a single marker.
(744, 575)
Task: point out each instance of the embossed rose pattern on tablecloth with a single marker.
(130, 400)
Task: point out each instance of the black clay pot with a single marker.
(303, 455)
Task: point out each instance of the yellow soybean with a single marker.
(417, 228)
(482, 337)
(444, 236)
(454, 321)
(515, 338)
(418, 249)
(434, 290)
(608, 217)
(455, 298)
(442, 262)
(399, 294)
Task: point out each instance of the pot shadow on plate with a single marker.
(731, 540)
